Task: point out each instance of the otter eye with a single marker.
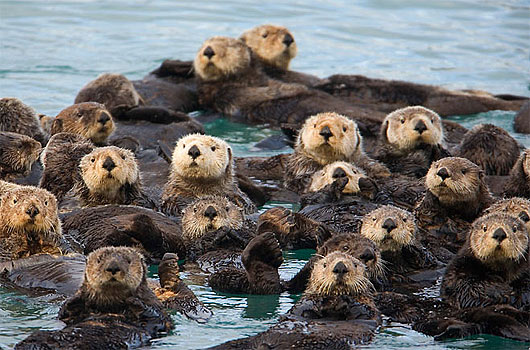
(213, 148)
(264, 35)
(374, 218)
(19, 146)
(432, 120)
(194, 210)
(404, 219)
(227, 208)
(128, 260)
(14, 201)
(93, 160)
(345, 248)
(514, 228)
(344, 129)
(315, 125)
(46, 203)
(123, 156)
(464, 171)
(484, 228)
(183, 146)
(402, 121)
(324, 265)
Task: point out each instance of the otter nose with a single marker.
(208, 52)
(499, 235)
(194, 152)
(210, 212)
(443, 173)
(389, 225)
(338, 173)
(367, 255)
(325, 133)
(113, 267)
(103, 118)
(32, 211)
(524, 216)
(288, 39)
(109, 164)
(420, 127)
(340, 268)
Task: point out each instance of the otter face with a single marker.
(30, 210)
(454, 179)
(220, 57)
(111, 90)
(329, 137)
(357, 180)
(273, 44)
(17, 153)
(210, 214)
(518, 207)
(106, 169)
(201, 156)
(114, 273)
(498, 237)
(525, 157)
(391, 228)
(410, 127)
(339, 274)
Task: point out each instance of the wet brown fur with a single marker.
(518, 184)
(17, 154)
(17, 117)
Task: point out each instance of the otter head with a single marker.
(221, 57)
(358, 182)
(202, 157)
(498, 238)
(30, 210)
(453, 180)
(106, 169)
(360, 248)
(329, 137)
(391, 228)
(518, 207)
(113, 273)
(89, 119)
(408, 128)
(272, 44)
(210, 213)
(339, 274)
(17, 153)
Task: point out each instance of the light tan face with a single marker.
(357, 180)
(273, 44)
(329, 137)
(391, 228)
(114, 270)
(339, 274)
(29, 209)
(518, 207)
(454, 179)
(106, 169)
(210, 214)
(18, 152)
(410, 127)
(201, 156)
(498, 237)
(220, 57)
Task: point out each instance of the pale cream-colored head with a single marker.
(498, 237)
(201, 157)
(391, 228)
(516, 206)
(220, 57)
(113, 274)
(454, 180)
(210, 213)
(329, 137)
(274, 45)
(409, 127)
(339, 274)
(106, 169)
(357, 179)
(111, 90)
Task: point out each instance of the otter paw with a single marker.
(168, 270)
(279, 220)
(263, 248)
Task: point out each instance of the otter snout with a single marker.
(32, 211)
(420, 127)
(109, 164)
(367, 255)
(113, 267)
(499, 235)
(103, 118)
(389, 225)
(443, 173)
(208, 52)
(210, 212)
(326, 133)
(339, 173)
(288, 39)
(340, 269)
(194, 152)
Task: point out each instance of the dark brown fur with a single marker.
(17, 117)
(518, 184)
(17, 154)
(521, 122)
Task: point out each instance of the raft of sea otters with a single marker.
(394, 199)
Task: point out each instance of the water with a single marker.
(49, 50)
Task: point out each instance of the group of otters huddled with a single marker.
(395, 200)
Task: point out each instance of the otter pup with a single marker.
(110, 175)
(324, 139)
(490, 147)
(518, 184)
(358, 182)
(518, 207)
(17, 117)
(411, 139)
(17, 154)
(201, 165)
(88, 119)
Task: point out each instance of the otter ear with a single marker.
(57, 126)
(384, 129)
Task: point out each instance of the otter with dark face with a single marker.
(17, 117)
(518, 184)
(17, 154)
(201, 166)
(88, 119)
(517, 207)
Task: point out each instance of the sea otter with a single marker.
(17, 117)
(17, 154)
(201, 165)
(518, 184)
(521, 122)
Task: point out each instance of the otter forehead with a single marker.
(122, 265)
(273, 44)
(220, 57)
(27, 194)
(516, 206)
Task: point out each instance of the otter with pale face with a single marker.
(326, 138)
(88, 119)
(357, 180)
(518, 184)
(201, 165)
(493, 267)
(517, 207)
(17, 154)
(17, 117)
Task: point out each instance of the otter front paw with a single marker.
(263, 248)
(278, 220)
